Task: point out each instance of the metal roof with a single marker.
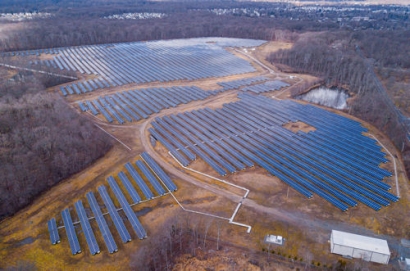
(360, 242)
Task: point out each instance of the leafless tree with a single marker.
(218, 225)
(207, 225)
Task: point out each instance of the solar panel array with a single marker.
(135, 105)
(151, 173)
(143, 62)
(84, 86)
(336, 161)
(266, 87)
(242, 82)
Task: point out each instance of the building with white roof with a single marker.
(359, 246)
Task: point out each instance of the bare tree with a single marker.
(208, 224)
(218, 225)
(308, 259)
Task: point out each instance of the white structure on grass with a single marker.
(274, 239)
(359, 246)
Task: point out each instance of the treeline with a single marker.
(60, 32)
(42, 141)
(337, 59)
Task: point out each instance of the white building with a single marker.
(359, 246)
(274, 239)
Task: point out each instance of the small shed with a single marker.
(359, 246)
(274, 239)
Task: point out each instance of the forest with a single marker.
(42, 140)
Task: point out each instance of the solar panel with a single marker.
(151, 178)
(131, 190)
(87, 230)
(63, 91)
(52, 228)
(140, 182)
(135, 223)
(159, 171)
(70, 231)
(102, 224)
(103, 111)
(119, 224)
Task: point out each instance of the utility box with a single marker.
(359, 246)
(274, 239)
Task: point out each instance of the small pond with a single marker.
(330, 97)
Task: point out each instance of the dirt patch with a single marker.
(299, 126)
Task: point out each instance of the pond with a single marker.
(330, 97)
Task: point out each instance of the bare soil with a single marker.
(299, 126)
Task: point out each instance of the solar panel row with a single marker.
(266, 87)
(87, 230)
(31, 52)
(241, 82)
(92, 108)
(140, 182)
(135, 223)
(84, 86)
(70, 231)
(102, 224)
(159, 172)
(52, 228)
(130, 189)
(115, 217)
(151, 178)
(103, 111)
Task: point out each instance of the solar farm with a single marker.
(198, 114)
